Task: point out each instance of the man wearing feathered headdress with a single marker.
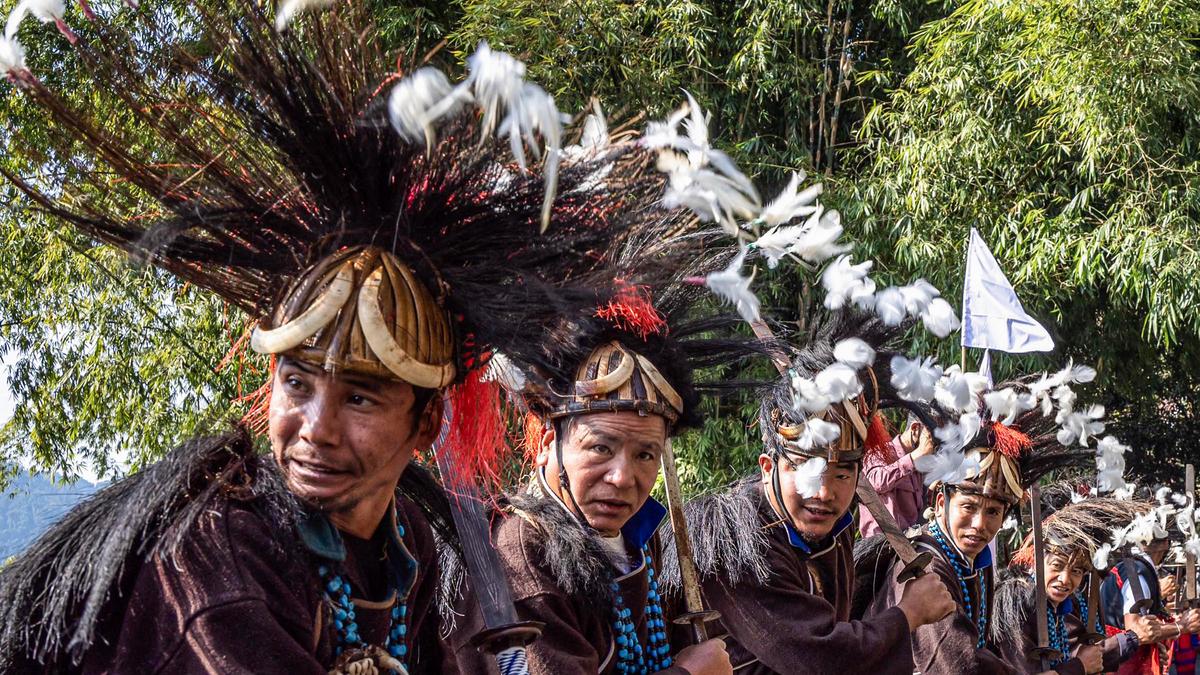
(1070, 537)
(583, 544)
(384, 266)
(775, 551)
(979, 474)
(1125, 608)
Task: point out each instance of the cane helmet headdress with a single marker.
(997, 441)
(368, 220)
(844, 353)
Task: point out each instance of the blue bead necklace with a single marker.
(337, 594)
(961, 571)
(1083, 610)
(632, 658)
(1058, 635)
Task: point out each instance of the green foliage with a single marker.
(1067, 133)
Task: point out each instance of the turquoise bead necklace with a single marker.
(632, 657)
(961, 571)
(337, 594)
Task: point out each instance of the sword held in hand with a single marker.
(504, 635)
(1042, 650)
(693, 601)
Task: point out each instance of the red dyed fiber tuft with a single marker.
(532, 431)
(1009, 442)
(879, 440)
(1024, 555)
(477, 439)
(632, 310)
(258, 412)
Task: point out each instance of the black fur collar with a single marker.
(571, 552)
(54, 595)
(728, 538)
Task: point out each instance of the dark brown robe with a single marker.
(1020, 640)
(947, 647)
(557, 574)
(797, 619)
(233, 599)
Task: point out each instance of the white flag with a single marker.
(992, 315)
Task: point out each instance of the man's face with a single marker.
(815, 516)
(611, 460)
(339, 439)
(1157, 550)
(973, 519)
(1063, 575)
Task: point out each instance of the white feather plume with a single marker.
(817, 434)
(854, 352)
(595, 131)
(1080, 426)
(939, 318)
(502, 370)
(807, 397)
(847, 283)
(704, 180)
(1162, 494)
(289, 9)
(665, 134)
(1100, 557)
(915, 379)
(1006, 404)
(948, 466)
(808, 476)
(889, 306)
(954, 436)
(12, 56)
(792, 203)
(839, 382)
(956, 390)
(820, 240)
(1110, 464)
(732, 287)
(411, 101)
(917, 296)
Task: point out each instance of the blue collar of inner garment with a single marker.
(797, 541)
(1065, 607)
(984, 559)
(638, 530)
(322, 539)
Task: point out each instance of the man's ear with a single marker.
(430, 422)
(545, 446)
(765, 464)
(939, 504)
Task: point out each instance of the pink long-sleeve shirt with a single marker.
(899, 486)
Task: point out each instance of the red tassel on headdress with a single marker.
(1009, 442)
(632, 310)
(258, 411)
(532, 430)
(879, 440)
(1024, 555)
(258, 402)
(477, 439)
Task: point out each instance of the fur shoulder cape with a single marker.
(728, 538)
(1012, 603)
(55, 596)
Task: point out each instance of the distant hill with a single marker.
(30, 505)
